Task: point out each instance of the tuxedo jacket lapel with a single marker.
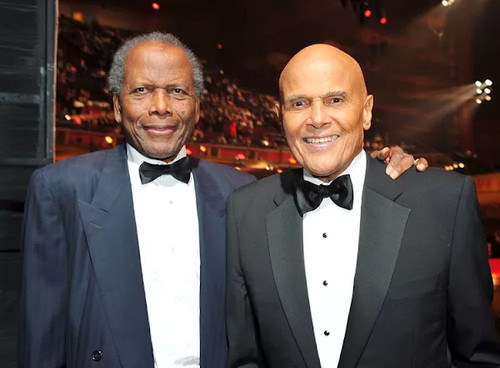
(211, 206)
(284, 234)
(111, 234)
(382, 225)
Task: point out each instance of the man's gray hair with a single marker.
(117, 71)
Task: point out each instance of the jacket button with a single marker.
(96, 355)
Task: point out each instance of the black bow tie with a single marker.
(181, 170)
(308, 196)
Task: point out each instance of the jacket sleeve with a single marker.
(44, 279)
(471, 334)
(241, 329)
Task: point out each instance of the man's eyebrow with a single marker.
(339, 93)
(295, 97)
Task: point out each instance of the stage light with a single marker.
(461, 165)
(483, 90)
(240, 156)
(155, 6)
(203, 148)
(292, 161)
(108, 139)
(188, 151)
(365, 9)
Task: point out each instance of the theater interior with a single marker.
(432, 65)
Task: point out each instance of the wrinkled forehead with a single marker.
(316, 72)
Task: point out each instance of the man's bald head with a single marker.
(324, 109)
(318, 55)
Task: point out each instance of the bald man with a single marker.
(337, 265)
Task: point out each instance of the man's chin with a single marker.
(162, 155)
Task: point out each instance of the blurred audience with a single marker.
(230, 115)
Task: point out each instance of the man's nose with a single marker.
(319, 115)
(160, 103)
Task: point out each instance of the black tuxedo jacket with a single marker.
(422, 287)
(83, 301)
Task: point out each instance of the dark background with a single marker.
(420, 66)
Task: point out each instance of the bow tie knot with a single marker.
(181, 170)
(308, 196)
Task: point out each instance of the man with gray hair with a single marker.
(124, 249)
(124, 266)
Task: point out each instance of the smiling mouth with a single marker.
(322, 139)
(160, 128)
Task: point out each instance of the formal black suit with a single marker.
(422, 287)
(83, 301)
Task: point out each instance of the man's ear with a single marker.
(279, 112)
(117, 108)
(367, 112)
(197, 111)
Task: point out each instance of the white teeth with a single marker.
(321, 140)
(160, 128)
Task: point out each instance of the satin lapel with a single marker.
(284, 234)
(211, 206)
(382, 225)
(111, 234)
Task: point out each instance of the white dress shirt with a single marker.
(331, 235)
(167, 228)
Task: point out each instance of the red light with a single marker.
(240, 156)
(368, 13)
(155, 6)
(219, 46)
(383, 20)
(188, 151)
